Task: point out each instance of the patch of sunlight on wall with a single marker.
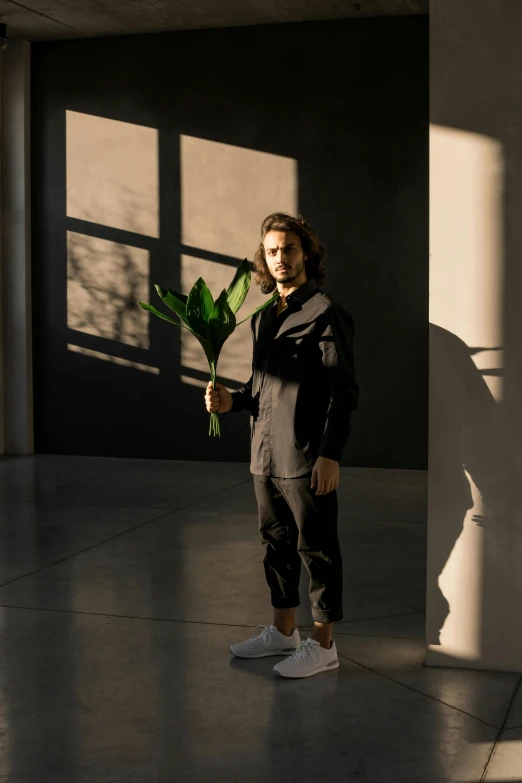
(193, 381)
(466, 269)
(466, 285)
(105, 281)
(112, 173)
(461, 584)
(226, 192)
(113, 359)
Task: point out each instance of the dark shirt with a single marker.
(302, 388)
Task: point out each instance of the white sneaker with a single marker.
(309, 659)
(269, 641)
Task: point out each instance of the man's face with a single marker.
(284, 255)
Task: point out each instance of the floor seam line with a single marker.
(306, 627)
(118, 535)
(387, 521)
(383, 636)
(501, 729)
(414, 690)
(124, 616)
(82, 551)
(382, 617)
(175, 620)
(45, 501)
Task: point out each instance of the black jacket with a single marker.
(302, 389)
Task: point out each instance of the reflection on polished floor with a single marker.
(123, 582)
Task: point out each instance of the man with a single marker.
(300, 397)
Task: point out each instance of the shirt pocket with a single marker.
(292, 345)
(292, 357)
(300, 348)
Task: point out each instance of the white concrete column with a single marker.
(15, 251)
(474, 587)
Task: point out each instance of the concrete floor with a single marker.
(123, 582)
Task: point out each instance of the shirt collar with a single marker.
(304, 292)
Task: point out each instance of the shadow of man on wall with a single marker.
(464, 414)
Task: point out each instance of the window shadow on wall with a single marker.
(360, 157)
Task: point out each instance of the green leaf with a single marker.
(152, 309)
(165, 317)
(217, 311)
(261, 307)
(176, 302)
(206, 299)
(222, 323)
(238, 288)
(210, 352)
(200, 306)
(207, 346)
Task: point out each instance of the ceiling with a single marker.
(39, 20)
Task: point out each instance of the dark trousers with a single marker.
(297, 525)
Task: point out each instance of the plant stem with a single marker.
(214, 428)
(214, 425)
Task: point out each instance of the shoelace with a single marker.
(265, 637)
(307, 648)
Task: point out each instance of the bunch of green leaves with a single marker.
(211, 322)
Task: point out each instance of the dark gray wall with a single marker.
(359, 131)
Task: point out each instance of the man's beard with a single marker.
(270, 288)
(287, 275)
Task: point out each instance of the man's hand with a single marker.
(218, 400)
(325, 475)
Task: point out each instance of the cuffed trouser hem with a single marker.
(283, 602)
(322, 616)
(297, 527)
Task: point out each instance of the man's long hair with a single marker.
(315, 252)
